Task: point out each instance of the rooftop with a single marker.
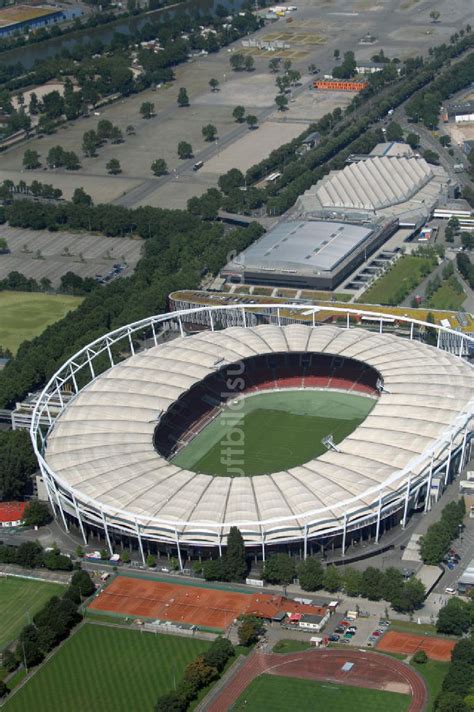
(11, 511)
(308, 246)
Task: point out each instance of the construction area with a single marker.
(199, 606)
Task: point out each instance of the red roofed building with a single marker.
(11, 513)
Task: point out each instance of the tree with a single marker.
(239, 114)
(431, 157)
(83, 582)
(312, 69)
(116, 136)
(199, 674)
(159, 167)
(17, 463)
(463, 651)
(311, 575)
(71, 161)
(281, 101)
(287, 65)
(104, 129)
(249, 630)
(90, 142)
(445, 141)
(125, 556)
(394, 132)
(332, 580)
(249, 63)
(9, 660)
(29, 555)
(235, 564)
(294, 76)
(214, 84)
(33, 106)
(130, 130)
(413, 140)
(31, 160)
(209, 132)
(420, 657)
(279, 568)
(185, 150)
(151, 561)
(3, 689)
(454, 618)
(237, 62)
(434, 15)
(219, 653)
(337, 54)
(231, 180)
(37, 514)
(147, 109)
(213, 570)
(352, 579)
(274, 64)
(372, 580)
(252, 121)
(80, 197)
(113, 167)
(183, 99)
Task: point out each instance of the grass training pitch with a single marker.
(20, 598)
(27, 314)
(101, 668)
(273, 431)
(273, 692)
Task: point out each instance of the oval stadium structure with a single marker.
(127, 406)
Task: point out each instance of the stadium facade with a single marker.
(106, 471)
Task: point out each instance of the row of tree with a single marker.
(17, 464)
(457, 692)
(440, 535)
(203, 670)
(466, 267)
(31, 555)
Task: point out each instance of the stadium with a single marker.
(303, 436)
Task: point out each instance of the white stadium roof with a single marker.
(101, 446)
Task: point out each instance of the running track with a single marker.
(369, 670)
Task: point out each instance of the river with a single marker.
(28, 54)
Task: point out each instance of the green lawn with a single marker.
(279, 694)
(27, 314)
(273, 431)
(434, 673)
(109, 669)
(403, 278)
(18, 597)
(447, 297)
(291, 646)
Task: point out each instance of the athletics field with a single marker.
(273, 431)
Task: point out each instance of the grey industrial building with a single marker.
(341, 220)
(308, 253)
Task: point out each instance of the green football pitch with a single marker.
(109, 669)
(273, 431)
(20, 599)
(279, 694)
(25, 315)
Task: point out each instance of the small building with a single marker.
(311, 140)
(316, 641)
(313, 622)
(462, 112)
(11, 514)
(466, 581)
(369, 67)
(340, 84)
(466, 490)
(22, 415)
(468, 146)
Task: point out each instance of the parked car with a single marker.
(384, 624)
(348, 635)
(344, 623)
(450, 591)
(334, 638)
(339, 629)
(352, 629)
(345, 640)
(372, 638)
(376, 633)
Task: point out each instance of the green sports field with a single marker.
(24, 315)
(18, 598)
(109, 669)
(273, 431)
(279, 694)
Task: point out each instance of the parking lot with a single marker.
(364, 628)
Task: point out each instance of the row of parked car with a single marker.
(343, 632)
(377, 634)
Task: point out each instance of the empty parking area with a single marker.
(40, 253)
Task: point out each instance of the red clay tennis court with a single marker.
(435, 648)
(207, 607)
